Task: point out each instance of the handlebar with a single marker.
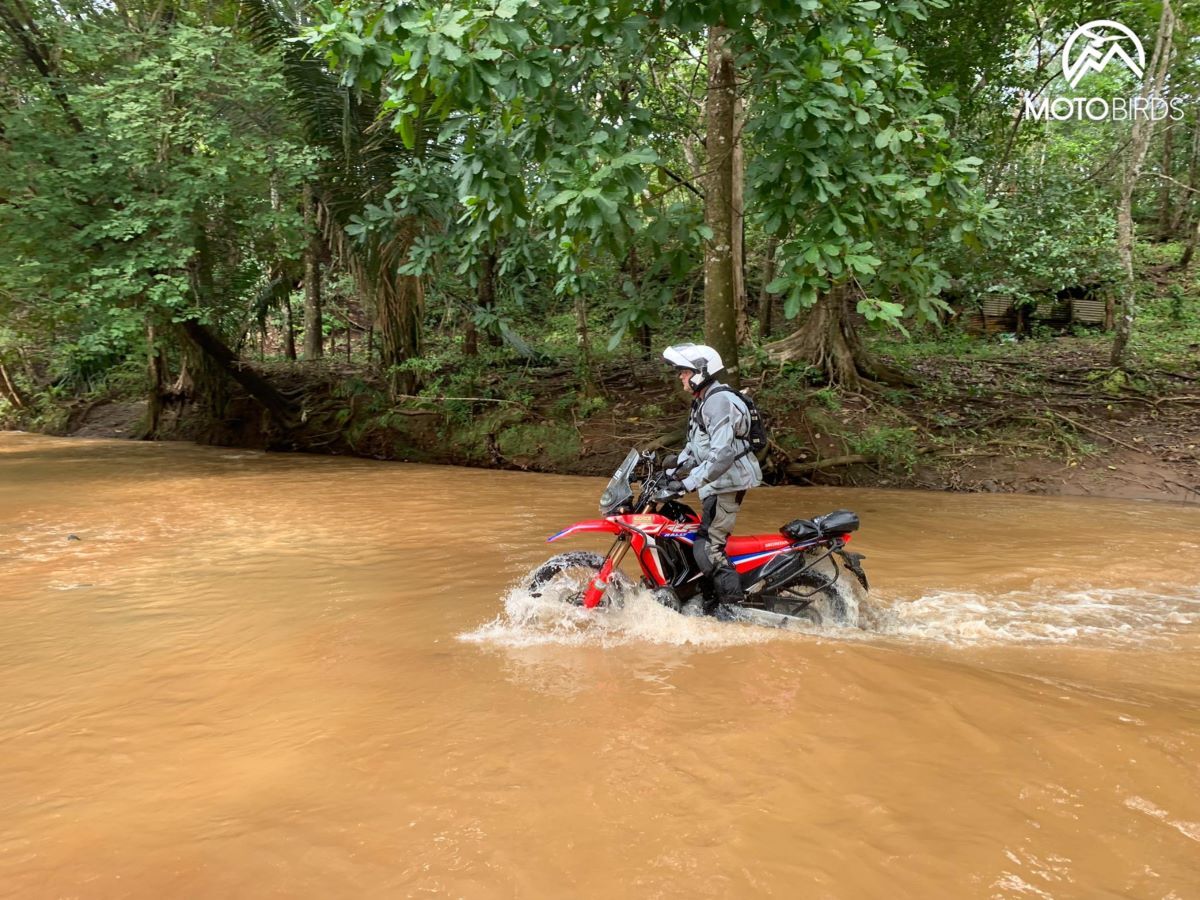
(652, 481)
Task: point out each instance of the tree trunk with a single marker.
(1190, 250)
(632, 269)
(720, 306)
(738, 223)
(766, 300)
(825, 341)
(200, 266)
(313, 339)
(470, 337)
(487, 291)
(485, 298)
(646, 339)
(201, 378)
(282, 292)
(1139, 142)
(289, 326)
(23, 29)
(584, 340)
(154, 400)
(1165, 187)
(10, 391)
(399, 300)
(828, 341)
(1182, 219)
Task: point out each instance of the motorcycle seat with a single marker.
(750, 544)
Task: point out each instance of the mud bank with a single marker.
(1053, 422)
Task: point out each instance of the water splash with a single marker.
(530, 621)
(1089, 617)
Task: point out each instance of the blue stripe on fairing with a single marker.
(555, 537)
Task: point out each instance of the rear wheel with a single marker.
(821, 596)
(565, 577)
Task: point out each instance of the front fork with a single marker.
(597, 586)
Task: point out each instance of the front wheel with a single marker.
(565, 577)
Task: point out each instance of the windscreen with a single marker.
(618, 491)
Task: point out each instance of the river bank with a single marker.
(1039, 413)
(1039, 418)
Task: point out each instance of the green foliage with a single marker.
(828, 397)
(1177, 303)
(158, 206)
(559, 142)
(788, 385)
(889, 446)
(854, 165)
(1056, 235)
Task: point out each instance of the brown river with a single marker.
(252, 675)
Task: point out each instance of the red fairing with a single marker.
(756, 550)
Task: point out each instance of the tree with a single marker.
(720, 295)
(1139, 142)
(313, 324)
(853, 170)
(852, 123)
(138, 190)
(370, 233)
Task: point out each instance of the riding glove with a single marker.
(670, 490)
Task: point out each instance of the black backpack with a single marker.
(756, 437)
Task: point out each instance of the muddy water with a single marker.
(260, 676)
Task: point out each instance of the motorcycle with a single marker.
(790, 576)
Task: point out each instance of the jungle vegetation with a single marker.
(238, 197)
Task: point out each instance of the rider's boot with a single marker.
(668, 598)
(706, 601)
(728, 585)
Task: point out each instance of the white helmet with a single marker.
(702, 360)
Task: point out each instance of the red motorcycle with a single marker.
(788, 576)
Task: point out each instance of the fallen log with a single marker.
(282, 411)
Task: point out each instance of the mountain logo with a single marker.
(1099, 43)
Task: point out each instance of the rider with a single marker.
(717, 461)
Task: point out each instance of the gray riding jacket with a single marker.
(716, 459)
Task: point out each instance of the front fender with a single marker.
(586, 525)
